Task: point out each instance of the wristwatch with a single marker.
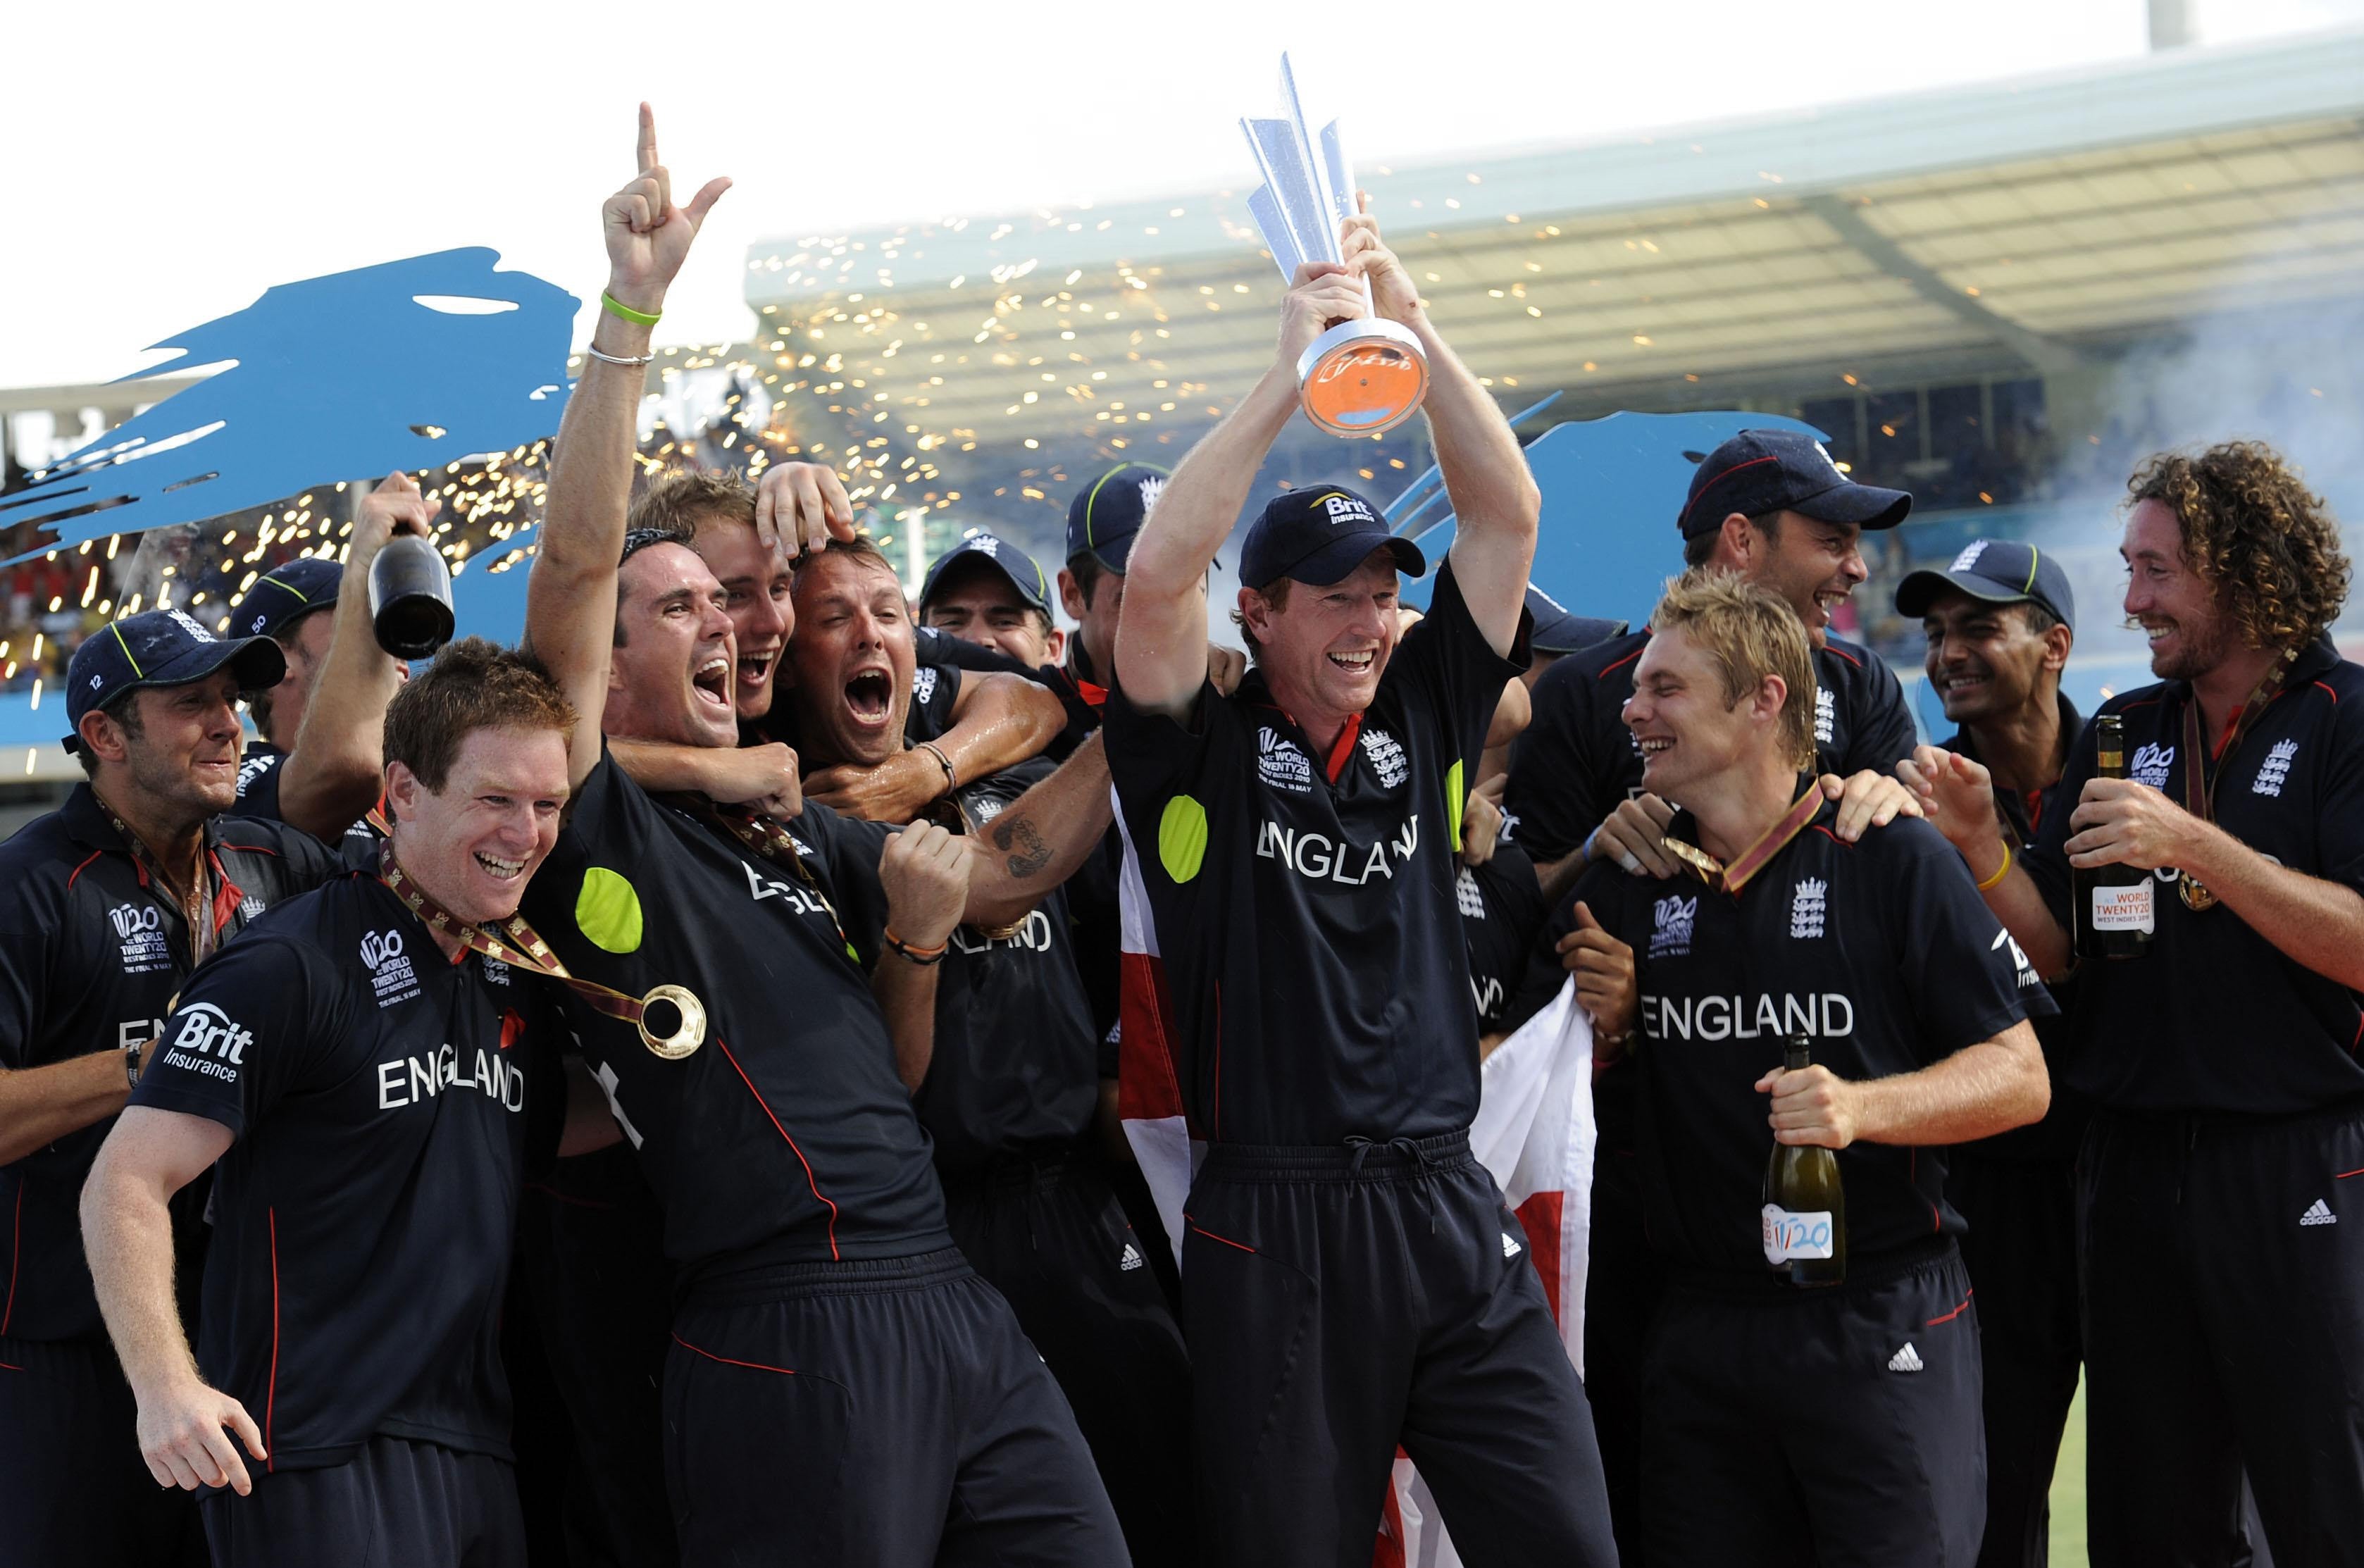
(131, 1064)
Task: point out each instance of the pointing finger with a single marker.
(648, 147)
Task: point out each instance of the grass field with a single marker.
(2069, 1491)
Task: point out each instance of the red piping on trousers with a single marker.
(1956, 1312)
(1213, 1237)
(728, 1361)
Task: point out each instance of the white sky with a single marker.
(172, 160)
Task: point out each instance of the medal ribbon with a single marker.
(1749, 862)
(525, 949)
(2200, 781)
(770, 842)
(205, 935)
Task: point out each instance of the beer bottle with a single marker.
(2114, 907)
(1805, 1207)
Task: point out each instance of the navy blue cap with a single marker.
(1557, 629)
(1319, 536)
(287, 593)
(1107, 513)
(1011, 562)
(2000, 572)
(161, 648)
(1759, 472)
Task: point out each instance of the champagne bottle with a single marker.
(410, 598)
(1805, 1207)
(2114, 903)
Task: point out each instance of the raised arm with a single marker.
(333, 775)
(1039, 841)
(1495, 501)
(1160, 643)
(184, 1427)
(571, 597)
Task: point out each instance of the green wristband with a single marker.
(616, 307)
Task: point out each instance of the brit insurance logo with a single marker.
(209, 1041)
(2021, 968)
(2275, 770)
(1807, 905)
(140, 928)
(1671, 930)
(391, 975)
(1826, 716)
(1386, 756)
(1345, 509)
(254, 768)
(1280, 765)
(2151, 763)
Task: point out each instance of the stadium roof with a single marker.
(2021, 224)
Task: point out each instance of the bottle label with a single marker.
(1788, 1235)
(2127, 908)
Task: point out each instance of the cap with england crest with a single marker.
(1758, 472)
(1107, 513)
(981, 545)
(1999, 571)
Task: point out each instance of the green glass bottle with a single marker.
(1805, 1207)
(2114, 904)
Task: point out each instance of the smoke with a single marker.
(2292, 376)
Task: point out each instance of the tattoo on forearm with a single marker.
(1030, 853)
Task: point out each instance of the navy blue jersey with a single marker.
(258, 777)
(1577, 761)
(1881, 953)
(787, 1136)
(1304, 899)
(1502, 908)
(91, 955)
(1016, 1063)
(2214, 1019)
(2022, 816)
(383, 1098)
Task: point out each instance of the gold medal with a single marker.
(2193, 892)
(526, 949)
(1701, 864)
(686, 1039)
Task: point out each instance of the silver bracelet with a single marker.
(625, 360)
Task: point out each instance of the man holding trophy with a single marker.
(1352, 1280)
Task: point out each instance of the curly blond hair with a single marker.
(2252, 528)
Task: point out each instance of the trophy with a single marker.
(1363, 376)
